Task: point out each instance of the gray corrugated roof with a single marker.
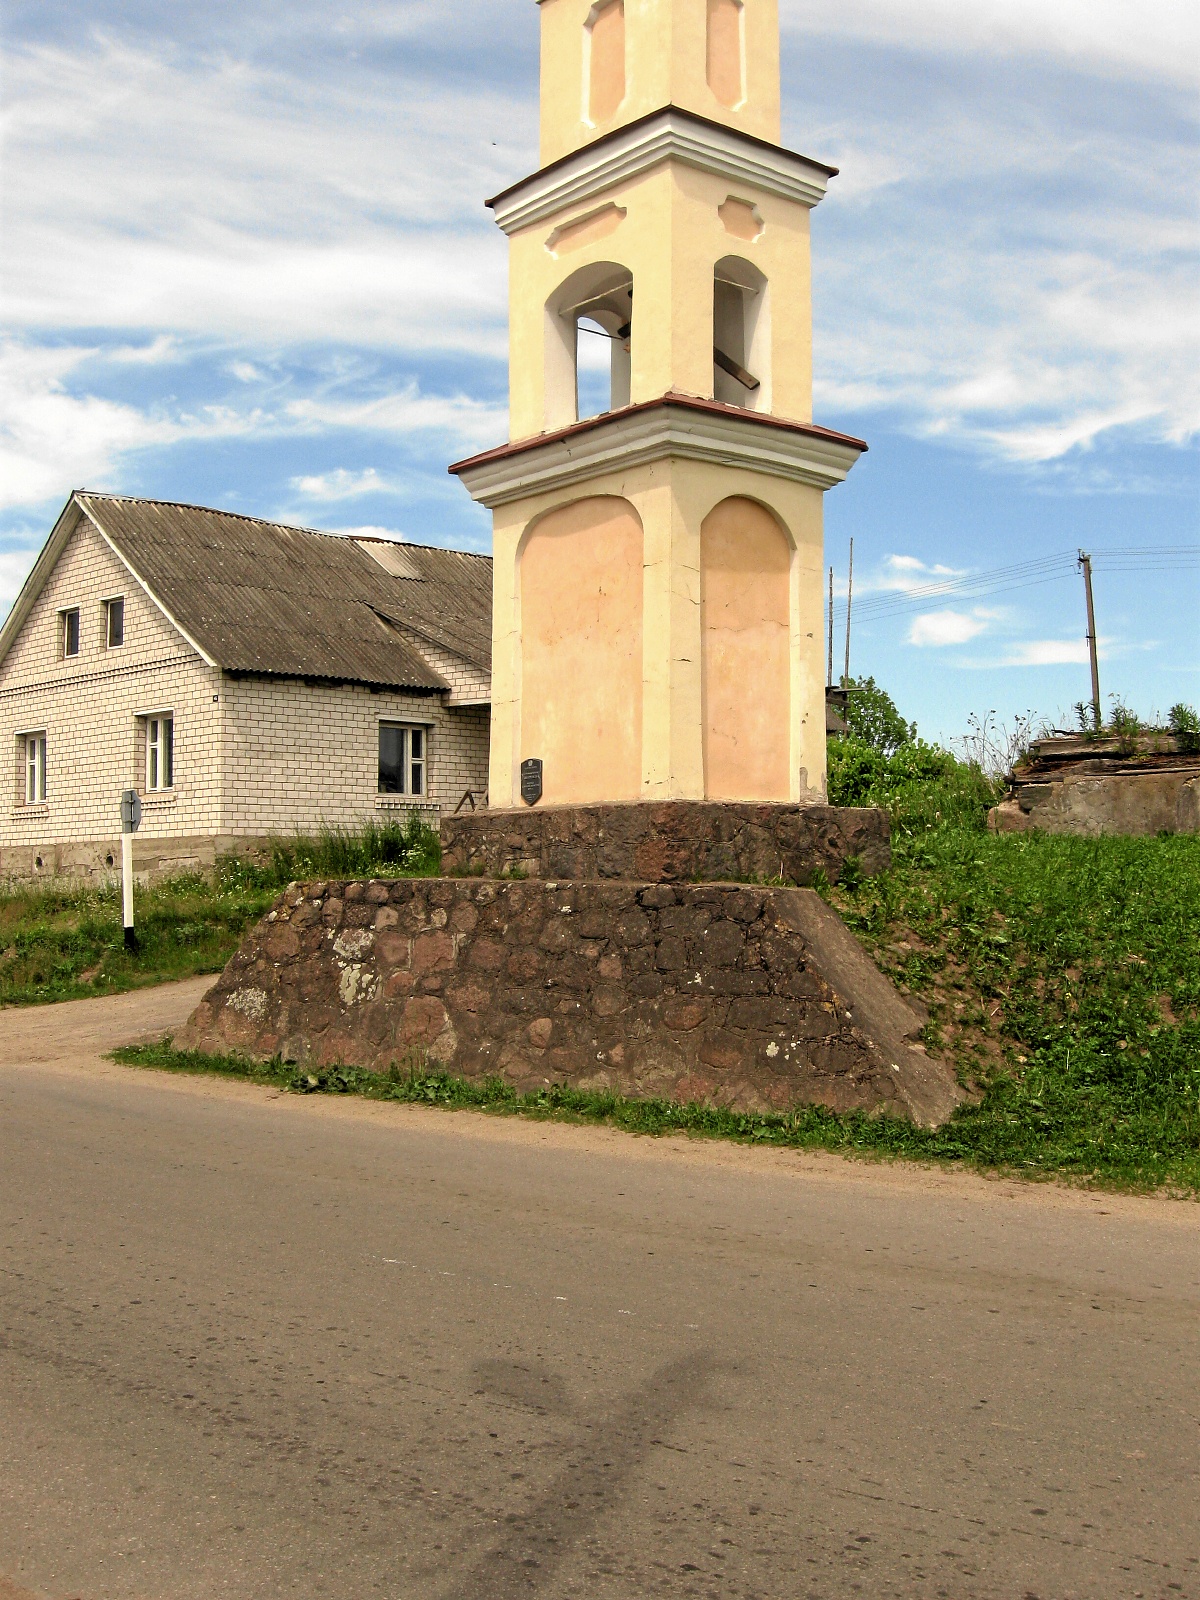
(260, 597)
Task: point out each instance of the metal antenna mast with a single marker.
(849, 603)
(1085, 563)
(829, 679)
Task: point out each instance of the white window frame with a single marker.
(35, 767)
(414, 766)
(160, 751)
(63, 616)
(110, 602)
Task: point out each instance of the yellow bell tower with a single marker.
(658, 544)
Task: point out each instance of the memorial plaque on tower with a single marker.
(531, 781)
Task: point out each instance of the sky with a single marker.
(246, 263)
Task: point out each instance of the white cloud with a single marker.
(1048, 653)
(15, 566)
(1006, 261)
(906, 574)
(1158, 39)
(52, 440)
(218, 197)
(165, 348)
(940, 628)
(405, 411)
(341, 484)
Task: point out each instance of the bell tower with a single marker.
(658, 545)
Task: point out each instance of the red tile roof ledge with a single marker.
(674, 424)
(687, 401)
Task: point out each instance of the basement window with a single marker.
(160, 753)
(403, 759)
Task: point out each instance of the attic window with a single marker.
(69, 632)
(114, 623)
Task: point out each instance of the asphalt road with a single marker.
(256, 1345)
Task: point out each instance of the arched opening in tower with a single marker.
(589, 344)
(741, 335)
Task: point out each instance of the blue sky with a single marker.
(247, 264)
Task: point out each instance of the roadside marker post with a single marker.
(131, 821)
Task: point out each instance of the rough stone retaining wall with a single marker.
(674, 841)
(1165, 801)
(747, 997)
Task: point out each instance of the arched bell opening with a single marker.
(741, 335)
(589, 334)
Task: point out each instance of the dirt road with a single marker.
(255, 1345)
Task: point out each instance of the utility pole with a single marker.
(849, 603)
(1085, 563)
(829, 679)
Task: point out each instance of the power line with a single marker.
(1028, 574)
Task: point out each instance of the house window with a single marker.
(70, 631)
(402, 759)
(114, 622)
(160, 752)
(35, 769)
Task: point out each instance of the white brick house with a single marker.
(248, 679)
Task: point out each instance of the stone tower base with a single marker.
(753, 998)
(672, 841)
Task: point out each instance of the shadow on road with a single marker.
(536, 1542)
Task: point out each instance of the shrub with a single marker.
(919, 785)
(1184, 723)
(872, 717)
(410, 848)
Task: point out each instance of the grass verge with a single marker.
(1062, 974)
(996, 1135)
(66, 942)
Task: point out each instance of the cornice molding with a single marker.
(676, 426)
(666, 135)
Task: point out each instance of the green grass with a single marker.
(66, 942)
(1063, 976)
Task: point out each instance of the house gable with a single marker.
(78, 569)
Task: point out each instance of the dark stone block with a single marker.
(671, 955)
(724, 944)
(657, 896)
